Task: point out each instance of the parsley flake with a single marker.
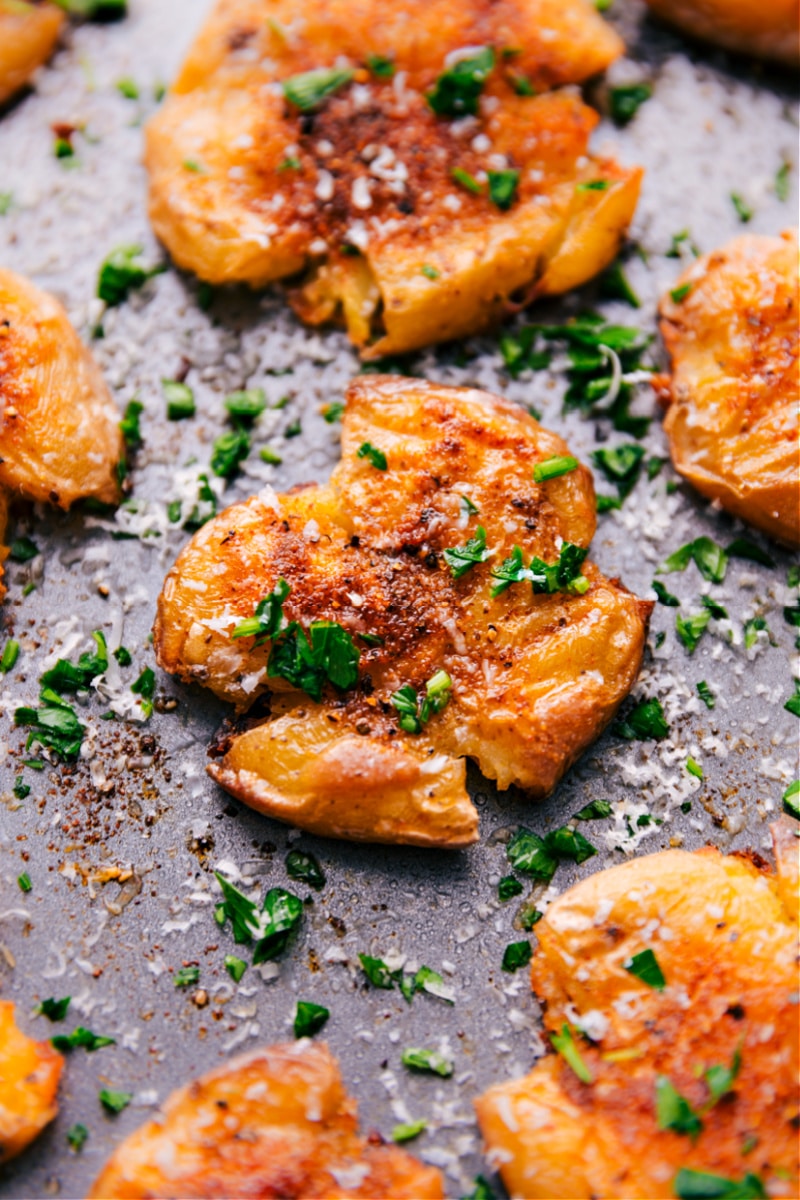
(791, 799)
(409, 1130)
(304, 868)
(554, 467)
(624, 102)
(76, 1137)
(417, 1059)
(122, 272)
(309, 1018)
(690, 629)
(711, 559)
(9, 656)
(54, 1010)
(700, 1185)
(680, 293)
(376, 457)
(54, 725)
(328, 656)
(80, 1038)
(561, 576)
(457, 90)
(645, 966)
(503, 187)
(309, 89)
(268, 619)
(114, 1102)
(461, 559)
(70, 677)
(186, 977)
(564, 1044)
(516, 955)
(673, 1111)
(645, 722)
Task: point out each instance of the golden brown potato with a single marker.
(28, 34)
(766, 28)
(722, 1032)
(362, 195)
(29, 1075)
(730, 326)
(533, 677)
(276, 1123)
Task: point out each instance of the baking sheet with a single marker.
(715, 125)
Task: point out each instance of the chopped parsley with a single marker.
(80, 1038)
(569, 843)
(593, 185)
(21, 789)
(309, 1018)
(645, 966)
(752, 628)
(614, 285)
(429, 272)
(229, 450)
(520, 353)
(664, 597)
(425, 980)
(792, 705)
(673, 1111)
(427, 1060)
(554, 467)
(564, 1044)
(503, 187)
(74, 677)
(529, 855)
(6, 200)
(621, 466)
(123, 656)
(694, 768)
(128, 88)
(179, 398)
(461, 559)
(54, 1010)
(114, 1102)
(268, 455)
(743, 210)
(53, 725)
(645, 722)
(309, 89)
(330, 656)
(680, 293)
(204, 508)
(76, 1137)
(711, 559)
(690, 629)
(375, 456)
(594, 811)
(145, 686)
(466, 507)
(246, 405)
(129, 425)
(744, 548)
(625, 101)
(679, 240)
(333, 412)
(9, 656)
(121, 272)
(186, 977)
(270, 928)
(791, 799)
(720, 1079)
(24, 882)
(717, 610)
(409, 1130)
(699, 1185)
(781, 184)
(465, 180)
(304, 868)
(378, 973)
(508, 887)
(235, 967)
(516, 955)
(91, 9)
(415, 713)
(268, 619)
(457, 90)
(705, 694)
(481, 1191)
(561, 576)
(380, 66)
(22, 550)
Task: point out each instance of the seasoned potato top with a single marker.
(276, 1123)
(670, 985)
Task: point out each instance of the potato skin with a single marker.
(245, 216)
(535, 677)
(768, 29)
(732, 420)
(59, 428)
(727, 947)
(275, 1124)
(29, 1075)
(28, 34)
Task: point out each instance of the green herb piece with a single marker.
(21, 789)
(465, 180)
(564, 1044)
(429, 272)
(699, 1185)
(691, 629)
(9, 656)
(624, 102)
(375, 456)
(791, 799)
(309, 1018)
(76, 1137)
(239, 910)
(308, 90)
(521, 84)
(720, 1080)
(54, 1010)
(614, 285)
(122, 272)
(466, 507)
(229, 450)
(186, 977)
(246, 405)
(204, 509)
(235, 967)
(268, 619)
(102, 10)
(329, 657)
(22, 550)
(195, 166)
(567, 842)
(793, 576)
(63, 148)
(594, 185)
(529, 855)
(6, 201)
(791, 615)
(457, 90)
(744, 548)
(82, 1039)
(145, 686)
(781, 184)
(645, 722)
(427, 1060)
(503, 187)
(461, 559)
(281, 915)
(508, 887)
(71, 677)
(664, 597)
(425, 980)
(680, 293)
(129, 425)
(114, 1102)
(516, 955)
(607, 503)
(679, 240)
(53, 725)
(710, 558)
(621, 466)
(179, 398)
(694, 768)
(24, 882)
(705, 694)
(333, 412)
(792, 705)
(481, 1191)
(414, 714)
(305, 868)
(268, 455)
(128, 88)
(645, 966)
(520, 353)
(594, 811)
(377, 972)
(528, 916)
(673, 1111)
(743, 210)
(717, 610)
(752, 628)
(294, 429)
(380, 66)
(408, 1131)
(552, 468)
(561, 576)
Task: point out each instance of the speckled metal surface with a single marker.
(714, 126)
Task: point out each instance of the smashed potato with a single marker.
(681, 971)
(28, 34)
(276, 1122)
(730, 326)
(408, 225)
(29, 1075)
(432, 507)
(59, 428)
(768, 29)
